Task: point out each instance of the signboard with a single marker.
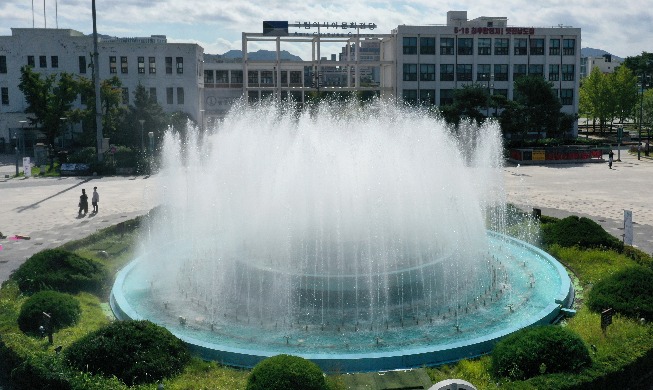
(539, 155)
(27, 167)
(606, 318)
(275, 28)
(628, 227)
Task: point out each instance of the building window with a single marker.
(169, 66)
(484, 46)
(500, 91)
(141, 65)
(43, 61)
(237, 76)
(568, 47)
(180, 65)
(464, 72)
(501, 46)
(153, 94)
(222, 76)
(5, 96)
(521, 48)
(152, 65)
(30, 61)
(113, 67)
(427, 72)
(568, 72)
(208, 76)
(446, 72)
(266, 77)
(410, 96)
(3, 64)
(465, 46)
(427, 97)
(446, 46)
(295, 77)
(518, 70)
(410, 45)
(554, 72)
(82, 64)
(483, 72)
(54, 61)
(410, 72)
(534, 69)
(180, 95)
(537, 46)
(446, 97)
(427, 46)
(169, 94)
(554, 47)
(252, 77)
(567, 97)
(125, 95)
(500, 72)
(123, 65)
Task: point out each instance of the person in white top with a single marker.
(95, 199)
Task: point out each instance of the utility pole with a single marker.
(98, 100)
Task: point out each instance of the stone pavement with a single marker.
(45, 209)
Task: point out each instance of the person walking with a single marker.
(83, 203)
(610, 158)
(95, 199)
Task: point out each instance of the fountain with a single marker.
(362, 238)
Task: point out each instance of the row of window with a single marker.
(151, 62)
(427, 96)
(253, 77)
(465, 46)
(484, 72)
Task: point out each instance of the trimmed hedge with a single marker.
(64, 311)
(136, 352)
(628, 292)
(581, 232)
(284, 372)
(539, 350)
(60, 270)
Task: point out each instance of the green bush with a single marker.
(136, 352)
(64, 311)
(83, 156)
(284, 372)
(629, 292)
(60, 270)
(539, 350)
(640, 257)
(579, 231)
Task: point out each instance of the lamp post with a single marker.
(16, 149)
(22, 134)
(490, 85)
(63, 118)
(142, 121)
(202, 119)
(151, 136)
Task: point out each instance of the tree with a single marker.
(147, 109)
(112, 110)
(49, 99)
(467, 104)
(596, 98)
(623, 88)
(535, 108)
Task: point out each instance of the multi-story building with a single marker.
(606, 64)
(172, 72)
(432, 61)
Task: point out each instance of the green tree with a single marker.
(468, 102)
(623, 90)
(535, 108)
(147, 109)
(49, 98)
(596, 98)
(112, 110)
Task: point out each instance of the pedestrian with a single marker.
(610, 158)
(83, 203)
(95, 199)
(639, 150)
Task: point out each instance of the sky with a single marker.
(622, 28)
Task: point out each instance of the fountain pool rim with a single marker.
(402, 358)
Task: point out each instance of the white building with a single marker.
(431, 61)
(606, 64)
(170, 71)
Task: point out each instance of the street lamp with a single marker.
(151, 136)
(16, 149)
(142, 121)
(63, 118)
(22, 128)
(202, 119)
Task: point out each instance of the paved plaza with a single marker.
(45, 209)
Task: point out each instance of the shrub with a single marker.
(135, 352)
(56, 269)
(629, 292)
(283, 372)
(64, 311)
(542, 349)
(579, 231)
(640, 257)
